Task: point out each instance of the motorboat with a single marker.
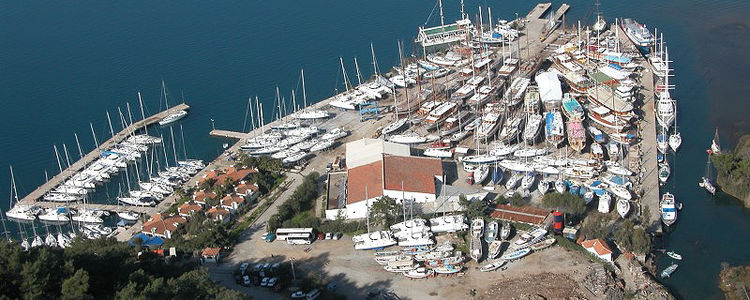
(597, 135)
(543, 186)
(623, 207)
(706, 184)
(516, 254)
(173, 117)
(322, 145)
(605, 203)
(621, 192)
(490, 234)
(494, 248)
(138, 201)
(554, 128)
(560, 185)
(675, 140)
(588, 196)
(296, 157)
(477, 227)
(674, 255)
(129, 216)
(335, 134)
(664, 172)
(530, 237)
(493, 266)
(528, 180)
(448, 269)
(438, 152)
(419, 273)
(481, 173)
(513, 181)
(668, 207)
(668, 271)
(662, 144)
(373, 240)
(505, 231)
(55, 215)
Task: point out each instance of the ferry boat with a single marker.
(531, 131)
(489, 126)
(638, 34)
(442, 111)
(453, 124)
(572, 109)
(668, 209)
(515, 92)
(511, 130)
(576, 135)
(554, 129)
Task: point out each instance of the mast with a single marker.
(143, 116)
(174, 150)
(442, 19)
(164, 90)
(109, 121)
(359, 75)
(80, 153)
(57, 155)
(164, 150)
(67, 157)
(304, 91)
(343, 71)
(489, 11)
(182, 138)
(374, 61)
(96, 142)
(463, 15)
(130, 115)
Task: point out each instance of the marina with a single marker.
(543, 110)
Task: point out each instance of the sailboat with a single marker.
(675, 139)
(706, 180)
(172, 117)
(18, 211)
(715, 146)
(309, 114)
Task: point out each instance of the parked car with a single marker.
(243, 267)
(329, 235)
(272, 282)
(321, 236)
(258, 267)
(264, 282)
(337, 236)
(298, 294)
(269, 237)
(246, 280)
(312, 294)
(275, 267)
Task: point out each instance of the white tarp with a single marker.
(549, 86)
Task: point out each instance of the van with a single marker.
(313, 294)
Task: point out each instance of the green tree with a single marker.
(472, 208)
(565, 203)
(385, 211)
(77, 286)
(517, 200)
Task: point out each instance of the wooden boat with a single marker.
(543, 244)
(494, 249)
(516, 254)
(492, 266)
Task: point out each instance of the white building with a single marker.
(376, 168)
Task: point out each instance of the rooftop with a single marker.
(364, 182)
(599, 246)
(524, 214)
(411, 173)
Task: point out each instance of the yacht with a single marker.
(373, 240)
(450, 223)
(129, 216)
(554, 128)
(623, 207)
(531, 131)
(605, 203)
(173, 117)
(55, 214)
(668, 209)
(477, 227)
(23, 212)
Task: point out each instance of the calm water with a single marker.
(64, 64)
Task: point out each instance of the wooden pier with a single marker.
(538, 11)
(34, 197)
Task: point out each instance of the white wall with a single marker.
(418, 197)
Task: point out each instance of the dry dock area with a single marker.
(33, 197)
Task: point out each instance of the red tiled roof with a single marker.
(416, 173)
(240, 175)
(209, 175)
(159, 224)
(524, 214)
(244, 187)
(229, 199)
(200, 196)
(215, 211)
(364, 182)
(211, 251)
(189, 208)
(598, 245)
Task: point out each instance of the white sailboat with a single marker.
(172, 117)
(675, 139)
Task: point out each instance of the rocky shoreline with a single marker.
(733, 171)
(734, 281)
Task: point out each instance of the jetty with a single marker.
(34, 198)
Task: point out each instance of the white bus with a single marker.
(295, 236)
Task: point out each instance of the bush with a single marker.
(565, 203)
(300, 201)
(517, 200)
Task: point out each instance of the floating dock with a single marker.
(34, 197)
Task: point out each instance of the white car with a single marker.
(329, 236)
(243, 267)
(264, 282)
(246, 280)
(298, 294)
(312, 294)
(272, 282)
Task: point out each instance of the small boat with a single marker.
(715, 146)
(528, 180)
(513, 181)
(481, 173)
(668, 209)
(543, 244)
(173, 117)
(588, 196)
(623, 207)
(621, 192)
(477, 227)
(706, 184)
(605, 202)
(493, 250)
(543, 186)
(492, 266)
(668, 271)
(560, 185)
(597, 151)
(490, 233)
(664, 172)
(675, 140)
(419, 273)
(674, 255)
(394, 126)
(505, 231)
(448, 269)
(516, 254)
(661, 143)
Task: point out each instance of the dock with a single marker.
(644, 154)
(538, 11)
(34, 197)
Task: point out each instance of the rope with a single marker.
(431, 13)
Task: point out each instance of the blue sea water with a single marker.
(63, 64)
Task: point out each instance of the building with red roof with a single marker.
(599, 248)
(189, 208)
(219, 214)
(163, 225)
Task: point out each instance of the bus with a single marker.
(295, 236)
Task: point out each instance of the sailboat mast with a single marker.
(109, 121)
(304, 91)
(343, 71)
(57, 155)
(80, 152)
(442, 19)
(67, 157)
(463, 15)
(96, 142)
(174, 150)
(182, 138)
(164, 150)
(359, 75)
(143, 116)
(374, 61)
(164, 91)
